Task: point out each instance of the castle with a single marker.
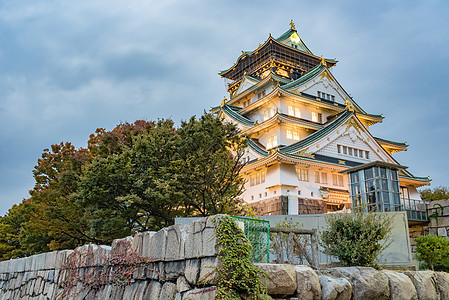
(310, 148)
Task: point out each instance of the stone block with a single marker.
(174, 269)
(147, 241)
(61, 257)
(367, 283)
(153, 290)
(425, 283)
(156, 271)
(192, 270)
(335, 288)
(401, 286)
(137, 243)
(442, 231)
(201, 240)
(140, 290)
(208, 293)
(129, 291)
(158, 245)
(176, 238)
(208, 271)
(307, 283)
(168, 291)
(280, 279)
(182, 285)
(38, 262)
(121, 246)
(51, 260)
(443, 285)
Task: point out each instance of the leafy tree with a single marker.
(211, 153)
(14, 241)
(437, 193)
(133, 190)
(355, 238)
(432, 249)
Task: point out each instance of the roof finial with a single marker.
(292, 25)
(348, 104)
(323, 61)
(223, 102)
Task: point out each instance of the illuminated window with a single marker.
(317, 176)
(323, 178)
(297, 112)
(291, 111)
(289, 134)
(337, 179)
(303, 174)
(295, 135)
(314, 116)
(272, 141)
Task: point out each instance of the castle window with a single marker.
(295, 135)
(252, 197)
(323, 178)
(337, 179)
(297, 112)
(367, 154)
(317, 176)
(303, 174)
(338, 148)
(320, 118)
(314, 116)
(333, 98)
(272, 141)
(345, 150)
(311, 194)
(291, 112)
(289, 134)
(257, 178)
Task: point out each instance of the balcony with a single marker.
(416, 210)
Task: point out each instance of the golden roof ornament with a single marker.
(323, 61)
(349, 105)
(292, 25)
(223, 102)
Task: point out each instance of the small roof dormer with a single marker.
(291, 38)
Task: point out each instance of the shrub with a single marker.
(432, 249)
(356, 239)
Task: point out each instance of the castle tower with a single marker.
(308, 136)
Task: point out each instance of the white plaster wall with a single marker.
(272, 178)
(306, 109)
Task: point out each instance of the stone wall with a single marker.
(179, 264)
(438, 224)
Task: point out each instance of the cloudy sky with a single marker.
(69, 67)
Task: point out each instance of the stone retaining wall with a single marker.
(181, 267)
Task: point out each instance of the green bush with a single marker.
(432, 249)
(356, 239)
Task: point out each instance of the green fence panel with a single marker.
(258, 233)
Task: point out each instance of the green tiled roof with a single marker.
(252, 78)
(388, 141)
(317, 134)
(232, 112)
(304, 78)
(256, 148)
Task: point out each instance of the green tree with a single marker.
(432, 249)
(211, 155)
(437, 193)
(136, 189)
(356, 239)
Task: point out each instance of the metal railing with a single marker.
(416, 209)
(258, 233)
